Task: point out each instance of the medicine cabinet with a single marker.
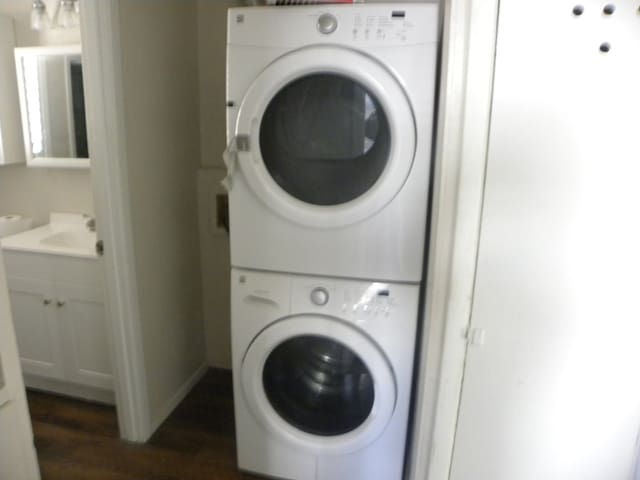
(52, 106)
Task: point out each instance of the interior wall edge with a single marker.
(465, 103)
(107, 133)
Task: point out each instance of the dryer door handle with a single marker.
(239, 143)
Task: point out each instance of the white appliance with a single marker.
(322, 375)
(329, 117)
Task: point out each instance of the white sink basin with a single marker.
(81, 239)
(66, 234)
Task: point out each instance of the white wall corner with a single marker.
(172, 402)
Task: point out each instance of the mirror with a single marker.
(52, 106)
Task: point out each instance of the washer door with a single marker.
(319, 383)
(331, 136)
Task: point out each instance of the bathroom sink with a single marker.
(81, 239)
(65, 234)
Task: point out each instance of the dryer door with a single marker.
(319, 383)
(331, 136)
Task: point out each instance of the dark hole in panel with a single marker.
(222, 211)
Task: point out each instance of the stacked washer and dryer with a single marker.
(329, 124)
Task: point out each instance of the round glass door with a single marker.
(329, 136)
(318, 385)
(325, 139)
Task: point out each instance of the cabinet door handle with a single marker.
(46, 301)
(60, 303)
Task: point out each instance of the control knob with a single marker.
(319, 296)
(327, 23)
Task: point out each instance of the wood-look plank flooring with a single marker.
(77, 440)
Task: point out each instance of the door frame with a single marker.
(468, 48)
(99, 21)
(469, 29)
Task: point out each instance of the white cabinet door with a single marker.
(36, 325)
(82, 319)
(554, 391)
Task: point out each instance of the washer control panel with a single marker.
(273, 296)
(372, 301)
(352, 300)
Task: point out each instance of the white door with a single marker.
(17, 454)
(326, 136)
(554, 392)
(319, 383)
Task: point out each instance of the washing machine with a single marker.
(322, 375)
(330, 119)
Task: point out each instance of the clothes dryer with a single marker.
(322, 375)
(329, 117)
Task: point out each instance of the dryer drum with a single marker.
(325, 139)
(318, 385)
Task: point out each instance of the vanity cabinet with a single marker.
(36, 325)
(60, 322)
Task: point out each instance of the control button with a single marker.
(319, 296)
(327, 23)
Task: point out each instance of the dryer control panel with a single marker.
(393, 27)
(363, 25)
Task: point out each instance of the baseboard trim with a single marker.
(69, 389)
(182, 391)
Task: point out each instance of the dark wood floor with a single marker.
(79, 440)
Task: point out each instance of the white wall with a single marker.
(160, 87)
(35, 192)
(554, 391)
(212, 40)
(17, 453)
